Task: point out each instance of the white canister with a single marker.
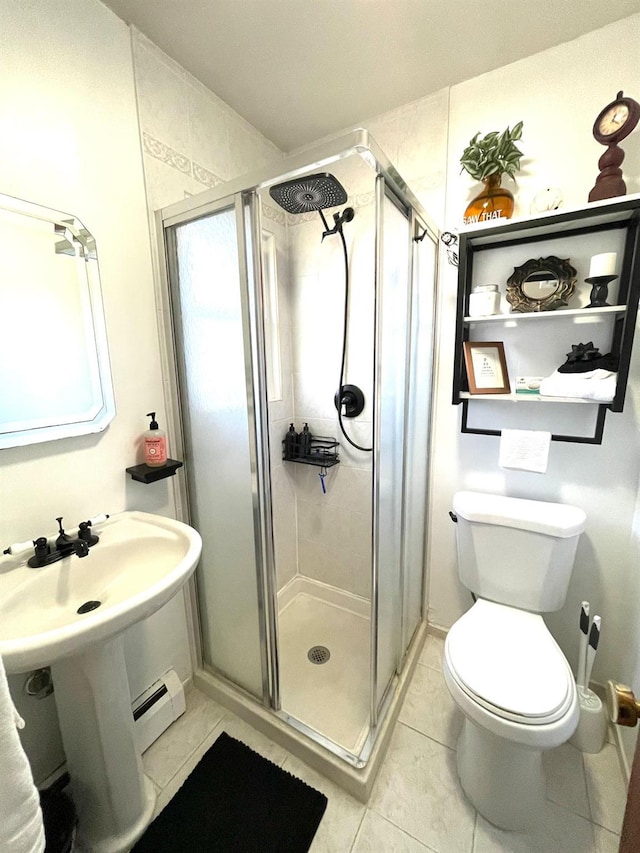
(484, 300)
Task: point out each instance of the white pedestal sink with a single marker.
(141, 561)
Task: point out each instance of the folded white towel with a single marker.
(596, 385)
(21, 826)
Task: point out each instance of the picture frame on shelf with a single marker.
(486, 367)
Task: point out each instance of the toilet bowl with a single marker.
(502, 666)
(513, 684)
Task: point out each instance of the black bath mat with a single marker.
(235, 801)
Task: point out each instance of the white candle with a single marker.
(604, 264)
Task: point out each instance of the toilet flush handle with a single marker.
(453, 517)
(622, 705)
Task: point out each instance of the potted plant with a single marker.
(487, 160)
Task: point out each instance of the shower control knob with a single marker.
(351, 398)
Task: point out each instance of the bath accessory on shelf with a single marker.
(599, 290)
(155, 444)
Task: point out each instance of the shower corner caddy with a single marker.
(323, 453)
(594, 220)
(151, 474)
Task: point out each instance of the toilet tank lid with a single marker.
(552, 519)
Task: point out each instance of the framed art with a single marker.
(486, 367)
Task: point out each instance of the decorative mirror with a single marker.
(541, 284)
(55, 380)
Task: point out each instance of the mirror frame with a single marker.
(561, 270)
(69, 237)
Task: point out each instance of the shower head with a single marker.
(311, 192)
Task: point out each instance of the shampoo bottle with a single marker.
(291, 443)
(155, 444)
(305, 441)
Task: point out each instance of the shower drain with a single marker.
(318, 654)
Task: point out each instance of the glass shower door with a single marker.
(418, 426)
(211, 313)
(404, 356)
(392, 340)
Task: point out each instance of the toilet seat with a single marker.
(506, 661)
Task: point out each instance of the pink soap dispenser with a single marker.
(155, 444)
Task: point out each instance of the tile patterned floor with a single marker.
(416, 805)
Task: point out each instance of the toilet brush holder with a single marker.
(592, 726)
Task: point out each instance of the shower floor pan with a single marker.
(330, 697)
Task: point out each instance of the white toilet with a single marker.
(503, 668)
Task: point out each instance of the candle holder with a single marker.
(599, 290)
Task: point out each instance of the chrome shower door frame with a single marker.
(248, 231)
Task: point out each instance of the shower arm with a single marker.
(338, 218)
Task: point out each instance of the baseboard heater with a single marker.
(158, 707)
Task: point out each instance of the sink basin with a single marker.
(138, 565)
(140, 562)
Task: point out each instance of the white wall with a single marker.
(71, 140)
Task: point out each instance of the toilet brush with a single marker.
(594, 639)
(584, 633)
(592, 725)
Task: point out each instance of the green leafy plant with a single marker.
(494, 154)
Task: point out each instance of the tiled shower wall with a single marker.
(333, 528)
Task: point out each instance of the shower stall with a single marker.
(306, 296)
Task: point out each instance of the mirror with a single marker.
(541, 284)
(55, 380)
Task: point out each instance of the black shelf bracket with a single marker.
(596, 438)
(150, 474)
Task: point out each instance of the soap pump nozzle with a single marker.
(154, 422)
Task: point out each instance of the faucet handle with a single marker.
(85, 534)
(42, 547)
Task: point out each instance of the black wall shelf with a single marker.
(323, 453)
(595, 220)
(150, 474)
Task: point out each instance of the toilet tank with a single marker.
(515, 551)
